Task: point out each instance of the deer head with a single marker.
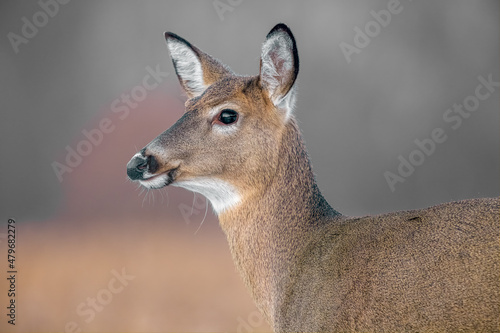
(226, 144)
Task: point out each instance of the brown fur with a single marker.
(311, 269)
(308, 267)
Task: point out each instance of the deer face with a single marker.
(226, 144)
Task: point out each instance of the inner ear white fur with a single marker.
(287, 103)
(276, 71)
(188, 67)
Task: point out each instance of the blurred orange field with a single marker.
(126, 276)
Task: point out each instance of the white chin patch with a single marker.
(155, 182)
(222, 195)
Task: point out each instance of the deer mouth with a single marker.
(160, 180)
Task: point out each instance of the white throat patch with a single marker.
(221, 194)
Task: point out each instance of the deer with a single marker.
(308, 267)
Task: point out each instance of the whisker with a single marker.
(194, 199)
(142, 190)
(168, 198)
(162, 197)
(206, 210)
(145, 196)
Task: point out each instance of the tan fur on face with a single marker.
(250, 154)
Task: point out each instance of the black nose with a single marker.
(139, 164)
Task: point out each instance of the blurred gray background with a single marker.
(358, 117)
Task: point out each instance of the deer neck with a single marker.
(267, 232)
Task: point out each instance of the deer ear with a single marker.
(279, 66)
(195, 69)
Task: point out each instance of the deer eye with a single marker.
(227, 117)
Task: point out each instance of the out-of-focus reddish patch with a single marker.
(99, 187)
